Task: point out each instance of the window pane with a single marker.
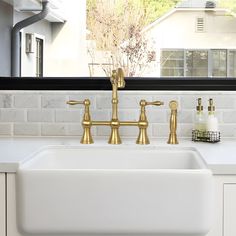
(232, 64)
(172, 63)
(39, 57)
(219, 62)
(196, 63)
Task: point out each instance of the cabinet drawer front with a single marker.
(2, 205)
(229, 209)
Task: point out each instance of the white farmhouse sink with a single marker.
(114, 191)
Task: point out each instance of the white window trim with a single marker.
(25, 55)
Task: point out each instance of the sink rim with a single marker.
(198, 158)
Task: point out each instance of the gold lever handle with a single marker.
(143, 122)
(87, 123)
(74, 102)
(155, 103)
(144, 103)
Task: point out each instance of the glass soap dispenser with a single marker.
(200, 120)
(212, 121)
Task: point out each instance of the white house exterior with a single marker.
(193, 41)
(59, 40)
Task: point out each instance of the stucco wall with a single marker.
(65, 43)
(6, 21)
(41, 28)
(68, 53)
(179, 31)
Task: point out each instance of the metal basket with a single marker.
(205, 136)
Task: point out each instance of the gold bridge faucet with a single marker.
(117, 81)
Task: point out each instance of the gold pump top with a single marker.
(211, 107)
(173, 105)
(199, 107)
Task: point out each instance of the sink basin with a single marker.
(114, 190)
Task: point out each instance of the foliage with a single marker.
(229, 4)
(157, 8)
(116, 27)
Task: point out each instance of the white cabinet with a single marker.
(229, 218)
(2, 205)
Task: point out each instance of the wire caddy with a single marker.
(206, 136)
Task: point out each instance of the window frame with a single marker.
(103, 83)
(209, 58)
(39, 40)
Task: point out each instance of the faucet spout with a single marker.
(117, 81)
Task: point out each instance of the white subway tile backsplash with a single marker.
(103, 101)
(224, 102)
(74, 130)
(129, 115)
(157, 115)
(228, 130)
(45, 113)
(131, 131)
(100, 115)
(6, 101)
(160, 130)
(189, 101)
(26, 101)
(54, 101)
(184, 130)
(229, 116)
(38, 115)
(185, 116)
(68, 116)
(103, 131)
(53, 129)
(12, 115)
(6, 129)
(26, 129)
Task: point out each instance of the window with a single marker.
(185, 36)
(219, 63)
(39, 57)
(232, 64)
(197, 63)
(172, 63)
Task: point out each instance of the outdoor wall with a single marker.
(6, 21)
(42, 28)
(179, 31)
(68, 52)
(65, 43)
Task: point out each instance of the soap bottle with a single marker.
(212, 121)
(200, 121)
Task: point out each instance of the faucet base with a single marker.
(87, 137)
(172, 139)
(115, 137)
(142, 137)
